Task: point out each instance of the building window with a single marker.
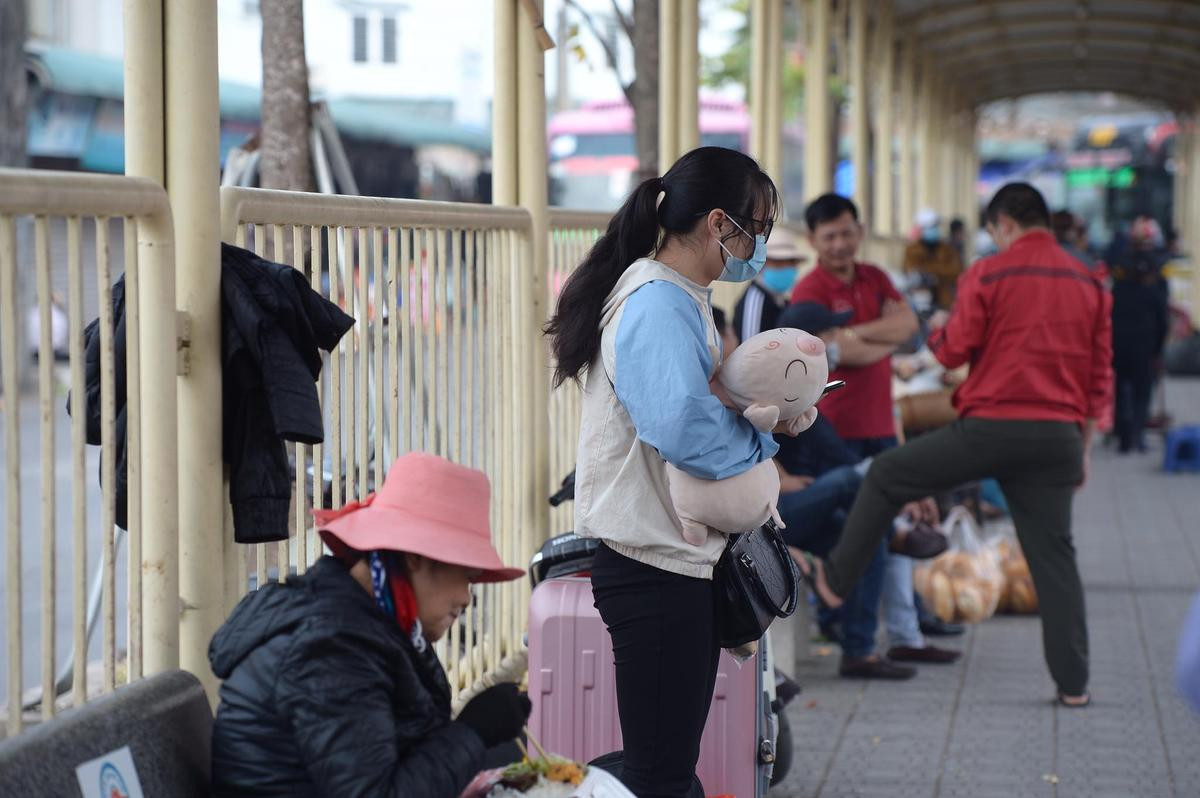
(360, 40)
(389, 40)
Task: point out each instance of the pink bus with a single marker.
(593, 156)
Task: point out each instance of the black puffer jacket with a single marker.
(324, 695)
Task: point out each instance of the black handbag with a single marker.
(755, 582)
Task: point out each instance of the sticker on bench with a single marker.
(110, 776)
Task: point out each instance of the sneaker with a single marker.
(874, 667)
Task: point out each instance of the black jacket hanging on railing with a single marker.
(92, 419)
(272, 326)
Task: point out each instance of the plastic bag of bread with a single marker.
(1018, 595)
(964, 584)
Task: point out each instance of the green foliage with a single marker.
(732, 68)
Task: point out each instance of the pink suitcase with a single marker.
(572, 687)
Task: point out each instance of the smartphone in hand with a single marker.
(830, 387)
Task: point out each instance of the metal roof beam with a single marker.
(1089, 44)
(950, 36)
(942, 12)
(1055, 65)
(998, 90)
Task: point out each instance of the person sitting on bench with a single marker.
(331, 684)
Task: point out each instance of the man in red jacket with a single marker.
(1033, 323)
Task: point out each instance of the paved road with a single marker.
(31, 545)
(987, 727)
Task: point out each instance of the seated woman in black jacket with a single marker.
(331, 686)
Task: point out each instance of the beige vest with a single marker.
(621, 493)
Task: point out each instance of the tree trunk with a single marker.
(13, 86)
(286, 159)
(645, 86)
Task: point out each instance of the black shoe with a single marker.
(874, 667)
(929, 655)
(922, 542)
(936, 627)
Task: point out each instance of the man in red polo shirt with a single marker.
(1034, 325)
(879, 321)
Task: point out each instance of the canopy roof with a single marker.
(996, 50)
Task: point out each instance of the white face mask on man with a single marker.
(833, 353)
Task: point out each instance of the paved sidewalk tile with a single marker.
(989, 726)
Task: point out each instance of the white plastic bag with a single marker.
(964, 584)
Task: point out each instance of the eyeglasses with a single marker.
(761, 227)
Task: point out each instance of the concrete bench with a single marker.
(165, 721)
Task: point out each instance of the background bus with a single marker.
(593, 156)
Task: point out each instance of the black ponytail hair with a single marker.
(704, 179)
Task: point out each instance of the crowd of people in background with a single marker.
(865, 318)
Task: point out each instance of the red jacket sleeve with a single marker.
(1101, 396)
(965, 332)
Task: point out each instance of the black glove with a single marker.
(498, 714)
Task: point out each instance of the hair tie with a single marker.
(662, 192)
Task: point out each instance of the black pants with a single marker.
(665, 647)
(1038, 465)
(1134, 387)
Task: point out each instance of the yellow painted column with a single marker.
(1185, 176)
(970, 209)
(532, 195)
(818, 165)
(145, 156)
(668, 83)
(678, 80)
(759, 22)
(192, 155)
(884, 134)
(926, 132)
(504, 104)
(952, 160)
(1193, 225)
(689, 76)
(860, 133)
(907, 193)
(772, 159)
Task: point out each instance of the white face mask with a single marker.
(833, 353)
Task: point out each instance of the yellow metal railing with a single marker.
(572, 234)
(63, 228)
(440, 360)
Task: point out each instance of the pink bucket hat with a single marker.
(427, 506)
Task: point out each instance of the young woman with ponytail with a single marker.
(635, 322)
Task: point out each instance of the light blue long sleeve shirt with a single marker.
(661, 377)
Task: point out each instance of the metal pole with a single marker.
(688, 136)
(145, 157)
(773, 137)
(533, 196)
(193, 153)
(817, 165)
(504, 105)
(908, 111)
(860, 133)
(883, 216)
(668, 84)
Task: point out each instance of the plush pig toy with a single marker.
(776, 376)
